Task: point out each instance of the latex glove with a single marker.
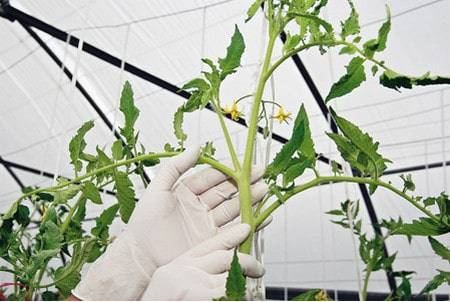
(200, 273)
(169, 219)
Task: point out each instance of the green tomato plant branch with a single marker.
(59, 212)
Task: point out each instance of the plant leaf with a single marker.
(394, 80)
(103, 222)
(440, 249)
(91, 192)
(77, 145)
(379, 44)
(310, 295)
(352, 79)
(117, 150)
(232, 59)
(437, 281)
(351, 25)
(253, 9)
(178, 125)
(125, 195)
(130, 112)
(422, 227)
(235, 285)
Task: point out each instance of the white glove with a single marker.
(201, 272)
(168, 220)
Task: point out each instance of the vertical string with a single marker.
(121, 76)
(202, 55)
(444, 161)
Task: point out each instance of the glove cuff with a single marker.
(121, 273)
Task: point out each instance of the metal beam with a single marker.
(364, 192)
(78, 85)
(13, 14)
(13, 175)
(417, 168)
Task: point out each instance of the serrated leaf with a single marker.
(178, 119)
(394, 80)
(22, 215)
(232, 59)
(91, 192)
(295, 169)
(307, 146)
(291, 42)
(379, 44)
(349, 49)
(283, 157)
(125, 195)
(235, 285)
(130, 112)
(117, 150)
(363, 143)
(351, 25)
(352, 79)
(63, 196)
(437, 281)
(408, 184)
(253, 9)
(51, 236)
(77, 145)
(103, 222)
(439, 249)
(196, 84)
(422, 227)
(310, 295)
(69, 282)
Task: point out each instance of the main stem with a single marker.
(244, 176)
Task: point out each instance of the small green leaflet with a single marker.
(394, 80)
(91, 192)
(178, 119)
(130, 112)
(77, 145)
(117, 150)
(51, 235)
(440, 249)
(437, 281)
(66, 281)
(351, 25)
(253, 9)
(291, 42)
(22, 215)
(65, 195)
(352, 79)
(103, 222)
(379, 44)
(300, 144)
(125, 195)
(281, 161)
(408, 184)
(235, 286)
(234, 53)
(314, 20)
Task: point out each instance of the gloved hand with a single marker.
(168, 220)
(201, 272)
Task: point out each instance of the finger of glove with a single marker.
(229, 209)
(174, 168)
(218, 280)
(223, 241)
(224, 190)
(219, 262)
(215, 293)
(204, 180)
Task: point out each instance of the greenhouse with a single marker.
(225, 150)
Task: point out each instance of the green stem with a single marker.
(227, 136)
(337, 179)
(244, 177)
(366, 282)
(202, 160)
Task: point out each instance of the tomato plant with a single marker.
(62, 207)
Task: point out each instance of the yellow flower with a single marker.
(321, 296)
(233, 111)
(282, 116)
